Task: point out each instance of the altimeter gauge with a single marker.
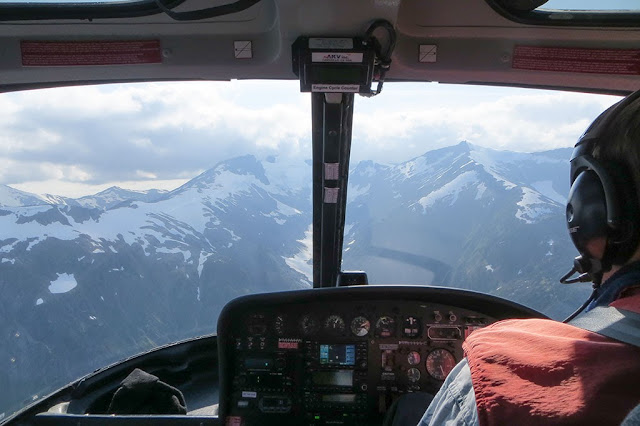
(385, 326)
(360, 326)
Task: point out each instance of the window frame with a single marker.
(566, 18)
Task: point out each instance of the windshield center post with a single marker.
(332, 119)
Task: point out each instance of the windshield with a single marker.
(131, 214)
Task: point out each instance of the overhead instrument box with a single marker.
(339, 65)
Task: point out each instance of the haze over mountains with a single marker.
(88, 281)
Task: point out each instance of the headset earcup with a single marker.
(624, 240)
(587, 214)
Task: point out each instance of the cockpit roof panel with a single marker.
(474, 43)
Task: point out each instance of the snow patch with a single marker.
(491, 159)
(11, 261)
(422, 165)
(481, 189)
(357, 191)
(449, 191)
(63, 284)
(368, 171)
(201, 261)
(39, 301)
(531, 206)
(301, 261)
(489, 268)
(234, 237)
(198, 294)
(32, 243)
(286, 210)
(347, 228)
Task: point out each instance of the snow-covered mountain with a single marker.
(111, 197)
(466, 216)
(10, 197)
(120, 281)
(122, 271)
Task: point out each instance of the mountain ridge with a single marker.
(121, 280)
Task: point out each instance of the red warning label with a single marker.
(78, 53)
(582, 60)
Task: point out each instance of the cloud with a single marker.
(143, 132)
(129, 132)
(509, 119)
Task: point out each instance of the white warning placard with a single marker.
(330, 43)
(428, 53)
(335, 88)
(348, 57)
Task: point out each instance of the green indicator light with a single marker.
(317, 417)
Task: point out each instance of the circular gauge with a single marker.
(385, 326)
(280, 325)
(413, 374)
(256, 324)
(308, 325)
(411, 327)
(413, 358)
(334, 324)
(439, 363)
(360, 326)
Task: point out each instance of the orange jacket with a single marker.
(544, 372)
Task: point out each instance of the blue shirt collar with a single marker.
(627, 276)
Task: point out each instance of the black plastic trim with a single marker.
(98, 420)
(569, 18)
(47, 11)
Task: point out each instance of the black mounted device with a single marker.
(334, 65)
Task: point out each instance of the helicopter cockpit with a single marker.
(333, 349)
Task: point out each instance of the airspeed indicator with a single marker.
(439, 363)
(334, 324)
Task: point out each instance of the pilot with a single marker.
(543, 372)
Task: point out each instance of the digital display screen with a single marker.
(333, 378)
(337, 74)
(259, 364)
(338, 354)
(340, 397)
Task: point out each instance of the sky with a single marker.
(80, 140)
(592, 4)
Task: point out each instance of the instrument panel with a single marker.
(342, 356)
